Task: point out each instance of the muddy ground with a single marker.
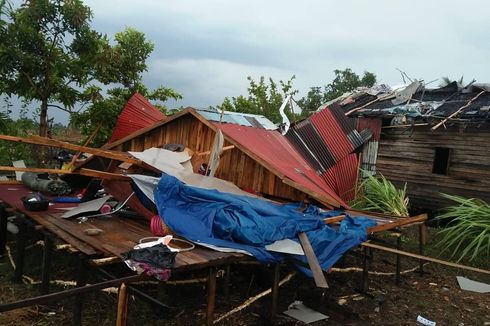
(434, 295)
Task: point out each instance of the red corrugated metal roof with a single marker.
(342, 177)
(373, 124)
(137, 113)
(332, 134)
(276, 151)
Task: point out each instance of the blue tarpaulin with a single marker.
(248, 223)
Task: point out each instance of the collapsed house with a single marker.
(435, 140)
(320, 165)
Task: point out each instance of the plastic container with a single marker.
(35, 202)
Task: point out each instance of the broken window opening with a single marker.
(441, 160)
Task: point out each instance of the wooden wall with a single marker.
(408, 157)
(235, 166)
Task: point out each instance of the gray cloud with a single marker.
(206, 49)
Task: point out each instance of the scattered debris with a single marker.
(425, 321)
(470, 285)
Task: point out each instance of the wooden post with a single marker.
(275, 292)
(78, 306)
(47, 249)
(21, 248)
(211, 295)
(398, 263)
(122, 306)
(227, 279)
(422, 231)
(365, 272)
(3, 230)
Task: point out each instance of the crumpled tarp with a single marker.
(47, 186)
(247, 223)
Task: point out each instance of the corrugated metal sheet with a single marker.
(275, 150)
(373, 124)
(332, 133)
(137, 113)
(343, 176)
(369, 157)
(314, 142)
(243, 119)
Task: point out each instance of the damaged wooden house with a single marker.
(319, 163)
(435, 140)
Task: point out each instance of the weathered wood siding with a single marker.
(235, 166)
(409, 157)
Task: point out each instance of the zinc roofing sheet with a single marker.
(243, 119)
(277, 152)
(138, 113)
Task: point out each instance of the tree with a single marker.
(263, 98)
(345, 81)
(48, 54)
(124, 64)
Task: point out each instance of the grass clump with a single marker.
(467, 233)
(380, 195)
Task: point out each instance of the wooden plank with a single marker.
(86, 172)
(398, 223)
(315, 268)
(458, 111)
(37, 140)
(434, 260)
(122, 306)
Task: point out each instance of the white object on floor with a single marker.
(299, 311)
(425, 321)
(470, 285)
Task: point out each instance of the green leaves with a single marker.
(344, 81)
(264, 98)
(48, 53)
(468, 231)
(380, 195)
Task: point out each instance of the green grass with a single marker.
(468, 232)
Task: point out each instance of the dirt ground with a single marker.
(434, 295)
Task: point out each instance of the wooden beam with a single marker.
(122, 306)
(226, 148)
(361, 107)
(86, 172)
(434, 260)
(399, 222)
(333, 219)
(458, 111)
(315, 268)
(38, 140)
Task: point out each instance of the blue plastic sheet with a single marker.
(248, 223)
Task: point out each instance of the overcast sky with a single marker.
(206, 49)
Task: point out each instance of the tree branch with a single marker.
(61, 108)
(36, 89)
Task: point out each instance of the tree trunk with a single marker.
(43, 119)
(43, 132)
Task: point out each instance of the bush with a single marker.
(467, 233)
(380, 195)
